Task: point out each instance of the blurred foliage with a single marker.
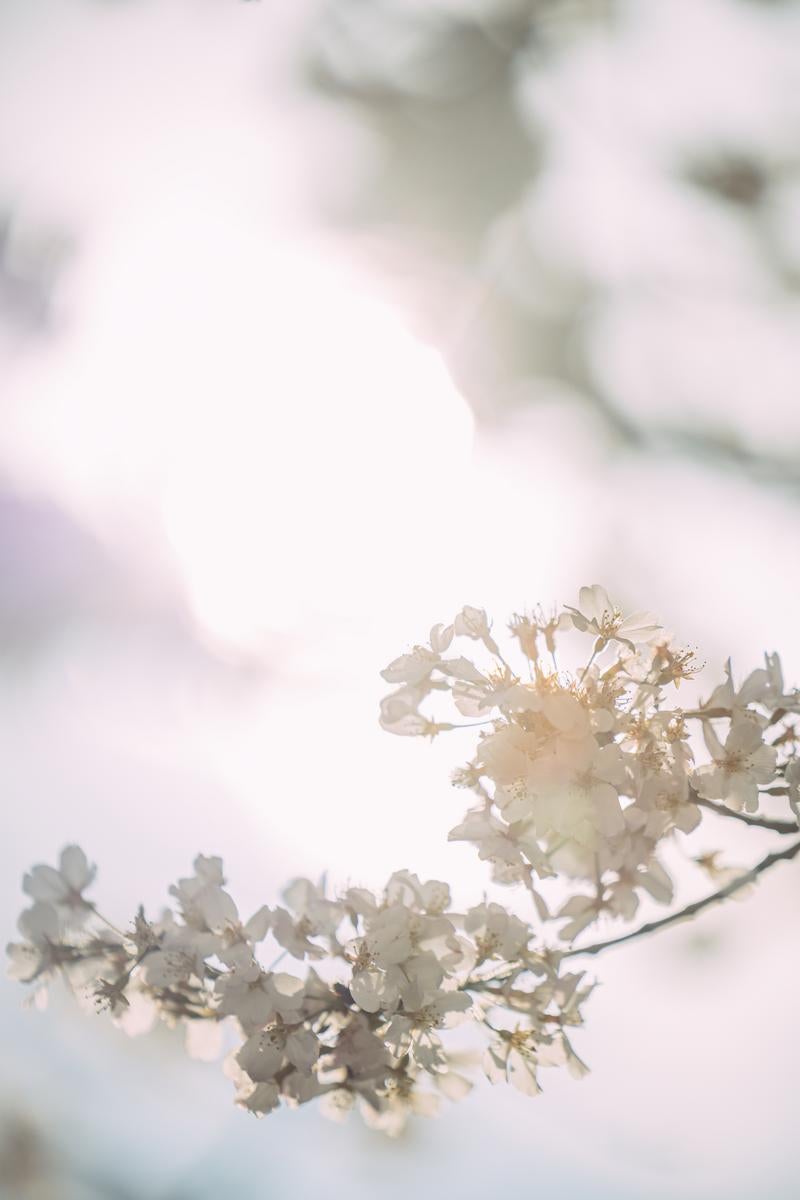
(443, 210)
(30, 261)
(33, 1168)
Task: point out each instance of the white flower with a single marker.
(398, 958)
(404, 887)
(513, 1058)
(581, 775)
(492, 837)
(763, 686)
(358, 1049)
(400, 712)
(389, 936)
(597, 614)
(463, 670)
(505, 692)
(375, 990)
(314, 915)
(583, 911)
(260, 1097)
(792, 776)
(180, 957)
(441, 637)
(621, 899)
(587, 807)
(565, 713)
(497, 933)
(298, 1087)
(262, 1055)
(204, 904)
(338, 1104)
(739, 768)
(414, 1032)
(773, 693)
(308, 902)
(63, 887)
(388, 1111)
(259, 997)
(293, 935)
(665, 794)
(527, 630)
(412, 668)
(38, 955)
(473, 623)
(423, 974)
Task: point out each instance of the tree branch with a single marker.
(758, 822)
(697, 906)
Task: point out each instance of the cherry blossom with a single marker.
(599, 615)
(64, 886)
(583, 771)
(738, 768)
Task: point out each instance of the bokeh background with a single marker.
(318, 319)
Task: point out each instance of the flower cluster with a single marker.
(584, 765)
(367, 1025)
(583, 769)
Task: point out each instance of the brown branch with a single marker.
(692, 909)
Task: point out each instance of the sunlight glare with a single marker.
(333, 440)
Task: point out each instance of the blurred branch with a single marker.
(31, 1167)
(458, 153)
(717, 449)
(29, 265)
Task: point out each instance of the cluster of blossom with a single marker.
(583, 767)
(583, 770)
(366, 1025)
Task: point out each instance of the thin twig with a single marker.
(758, 822)
(110, 924)
(691, 909)
(595, 652)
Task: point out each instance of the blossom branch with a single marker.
(366, 1027)
(580, 775)
(697, 906)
